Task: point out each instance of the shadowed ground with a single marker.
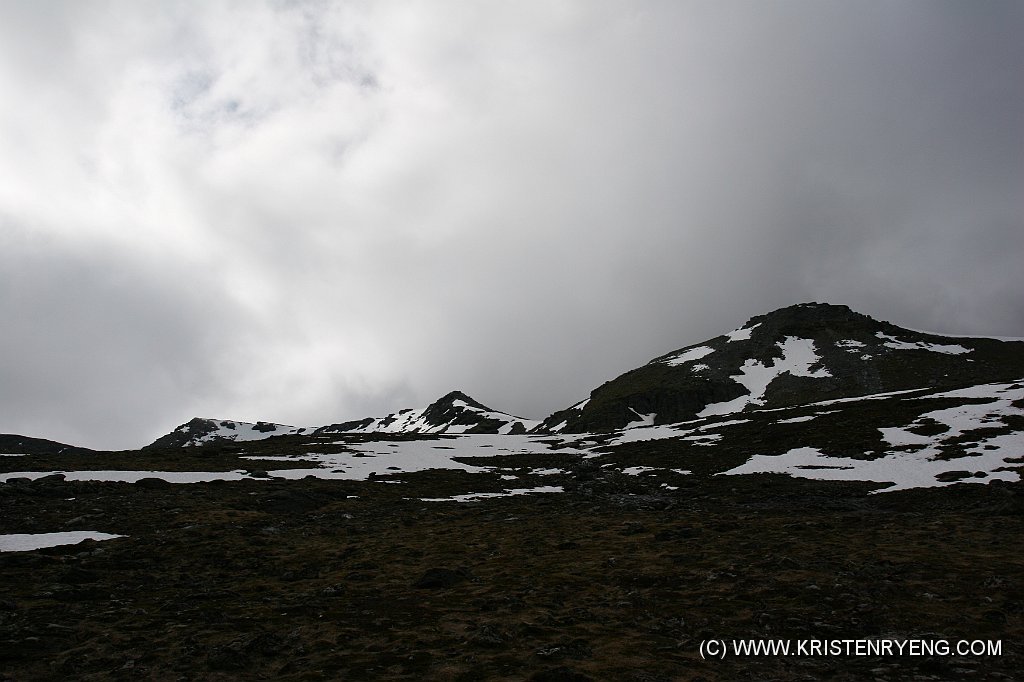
(619, 579)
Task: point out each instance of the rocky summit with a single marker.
(813, 477)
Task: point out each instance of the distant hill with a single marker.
(455, 412)
(11, 443)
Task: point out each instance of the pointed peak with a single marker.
(458, 396)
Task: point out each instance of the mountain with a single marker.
(455, 412)
(798, 355)
(199, 431)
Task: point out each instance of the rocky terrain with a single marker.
(814, 489)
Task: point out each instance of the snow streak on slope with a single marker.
(897, 344)
(917, 460)
(742, 334)
(508, 492)
(694, 431)
(798, 356)
(689, 356)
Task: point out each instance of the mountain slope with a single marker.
(796, 355)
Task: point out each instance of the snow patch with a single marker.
(689, 356)
(797, 420)
(642, 419)
(24, 542)
(798, 355)
(705, 439)
(742, 334)
(961, 419)
(897, 344)
(131, 476)
(903, 470)
(636, 471)
(473, 497)
(546, 472)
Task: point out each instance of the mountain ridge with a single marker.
(454, 412)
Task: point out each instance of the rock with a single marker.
(152, 483)
(439, 578)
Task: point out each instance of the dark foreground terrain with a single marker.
(349, 580)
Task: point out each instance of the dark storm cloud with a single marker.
(308, 212)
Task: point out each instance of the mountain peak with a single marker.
(458, 397)
(454, 412)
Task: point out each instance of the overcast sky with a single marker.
(306, 212)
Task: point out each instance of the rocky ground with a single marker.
(618, 578)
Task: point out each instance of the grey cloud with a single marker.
(519, 201)
(92, 341)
